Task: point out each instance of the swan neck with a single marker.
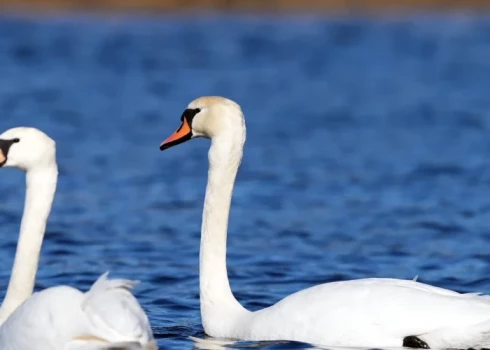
(40, 191)
(217, 300)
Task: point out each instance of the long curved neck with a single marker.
(40, 190)
(219, 308)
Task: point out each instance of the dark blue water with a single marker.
(368, 152)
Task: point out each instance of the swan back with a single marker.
(26, 148)
(106, 317)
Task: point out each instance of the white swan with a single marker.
(59, 317)
(360, 313)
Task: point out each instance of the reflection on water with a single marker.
(367, 153)
(220, 344)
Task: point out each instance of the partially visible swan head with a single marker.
(209, 117)
(26, 148)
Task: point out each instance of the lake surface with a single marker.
(368, 153)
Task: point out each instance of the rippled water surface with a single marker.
(368, 153)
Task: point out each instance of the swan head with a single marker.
(209, 117)
(26, 148)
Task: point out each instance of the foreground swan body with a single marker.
(61, 317)
(360, 313)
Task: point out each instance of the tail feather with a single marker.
(104, 284)
(115, 314)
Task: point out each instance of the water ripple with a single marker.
(367, 153)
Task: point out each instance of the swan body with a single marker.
(372, 312)
(108, 316)
(63, 317)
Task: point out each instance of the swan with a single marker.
(373, 312)
(60, 317)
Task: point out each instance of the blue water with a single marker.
(368, 152)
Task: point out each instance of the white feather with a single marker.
(360, 313)
(108, 316)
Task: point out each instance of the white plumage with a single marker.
(360, 313)
(62, 317)
(108, 316)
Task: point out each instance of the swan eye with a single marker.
(16, 140)
(189, 114)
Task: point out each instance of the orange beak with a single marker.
(3, 159)
(183, 134)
